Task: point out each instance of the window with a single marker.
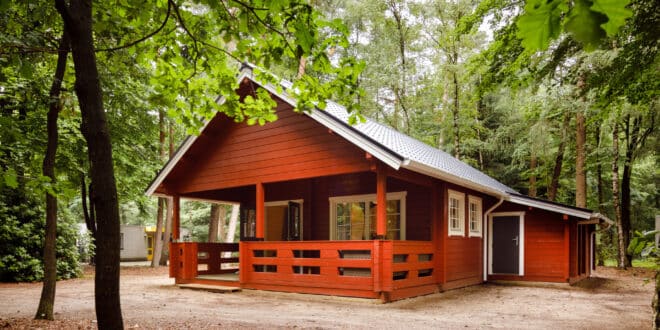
(354, 217)
(475, 216)
(456, 207)
(121, 241)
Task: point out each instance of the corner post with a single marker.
(176, 218)
(260, 200)
(381, 202)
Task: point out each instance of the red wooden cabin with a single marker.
(361, 211)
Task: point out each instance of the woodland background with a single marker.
(458, 75)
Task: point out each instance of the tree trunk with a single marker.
(233, 220)
(599, 172)
(457, 135)
(158, 234)
(580, 158)
(47, 300)
(165, 256)
(217, 214)
(77, 17)
(559, 160)
(632, 140)
(159, 239)
(622, 260)
(532, 175)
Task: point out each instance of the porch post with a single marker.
(260, 200)
(381, 202)
(176, 222)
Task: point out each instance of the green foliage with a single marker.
(22, 235)
(642, 245)
(589, 22)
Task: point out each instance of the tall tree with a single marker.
(47, 300)
(77, 18)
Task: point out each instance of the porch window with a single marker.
(475, 216)
(456, 207)
(354, 217)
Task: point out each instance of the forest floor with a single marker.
(612, 299)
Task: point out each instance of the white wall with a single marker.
(134, 245)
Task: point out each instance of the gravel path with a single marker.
(613, 299)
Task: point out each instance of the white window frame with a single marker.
(400, 196)
(452, 194)
(479, 220)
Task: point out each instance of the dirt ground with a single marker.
(612, 299)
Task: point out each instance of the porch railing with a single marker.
(352, 268)
(190, 259)
(388, 270)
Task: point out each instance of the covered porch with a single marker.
(364, 234)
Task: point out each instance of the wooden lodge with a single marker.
(361, 211)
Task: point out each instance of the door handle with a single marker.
(516, 239)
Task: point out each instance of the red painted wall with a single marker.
(229, 154)
(545, 254)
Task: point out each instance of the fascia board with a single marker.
(436, 173)
(551, 207)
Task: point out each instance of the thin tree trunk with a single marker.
(165, 255)
(622, 262)
(233, 220)
(532, 175)
(214, 218)
(158, 235)
(457, 135)
(559, 160)
(580, 158)
(47, 300)
(599, 171)
(77, 17)
(632, 140)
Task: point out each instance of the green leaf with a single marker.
(540, 23)
(616, 12)
(11, 178)
(584, 25)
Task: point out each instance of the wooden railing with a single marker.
(189, 259)
(342, 267)
(412, 268)
(389, 270)
(374, 269)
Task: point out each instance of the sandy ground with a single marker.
(611, 300)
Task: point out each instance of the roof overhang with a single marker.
(554, 207)
(436, 173)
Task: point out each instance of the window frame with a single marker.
(460, 231)
(367, 198)
(480, 216)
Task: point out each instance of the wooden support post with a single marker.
(260, 200)
(176, 218)
(567, 250)
(381, 202)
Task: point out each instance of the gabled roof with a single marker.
(393, 148)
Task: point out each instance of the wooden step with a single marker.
(210, 288)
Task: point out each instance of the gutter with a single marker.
(485, 233)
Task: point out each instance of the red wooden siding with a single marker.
(230, 154)
(545, 245)
(463, 255)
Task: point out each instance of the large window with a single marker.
(456, 207)
(475, 216)
(354, 217)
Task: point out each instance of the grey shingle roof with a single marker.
(414, 150)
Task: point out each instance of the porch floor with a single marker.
(219, 277)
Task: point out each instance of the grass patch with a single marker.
(643, 263)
